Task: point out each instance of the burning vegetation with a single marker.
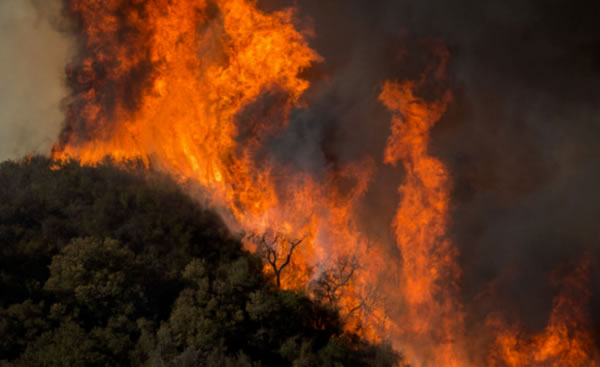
(207, 92)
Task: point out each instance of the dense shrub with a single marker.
(116, 266)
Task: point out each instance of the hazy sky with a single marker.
(32, 60)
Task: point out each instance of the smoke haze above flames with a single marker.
(33, 55)
(519, 139)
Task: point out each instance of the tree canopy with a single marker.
(109, 265)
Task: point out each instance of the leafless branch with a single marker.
(273, 247)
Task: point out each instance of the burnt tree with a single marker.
(330, 285)
(277, 251)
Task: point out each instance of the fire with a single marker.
(429, 272)
(184, 119)
(174, 83)
(564, 342)
(177, 75)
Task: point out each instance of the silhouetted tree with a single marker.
(330, 286)
(277, 251)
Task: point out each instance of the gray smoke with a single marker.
(33, 55)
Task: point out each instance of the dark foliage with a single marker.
(105, 266)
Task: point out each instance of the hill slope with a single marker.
(104, 266)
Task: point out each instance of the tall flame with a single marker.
(429, 272)
(175, 83)
(184, 118)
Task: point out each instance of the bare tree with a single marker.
(277, 250)
(362, 301)
(332, 282)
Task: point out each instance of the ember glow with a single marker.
(197, 89)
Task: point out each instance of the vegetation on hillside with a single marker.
(106, 266)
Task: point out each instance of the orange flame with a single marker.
(433, 319)
(565, 341)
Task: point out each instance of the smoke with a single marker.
(520, 138)
(33, 55)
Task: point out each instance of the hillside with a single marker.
(104, 266)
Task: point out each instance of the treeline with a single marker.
(106, 266)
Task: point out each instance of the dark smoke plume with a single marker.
(520, 137)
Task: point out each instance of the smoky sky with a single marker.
(520, 138)
(33, 55)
